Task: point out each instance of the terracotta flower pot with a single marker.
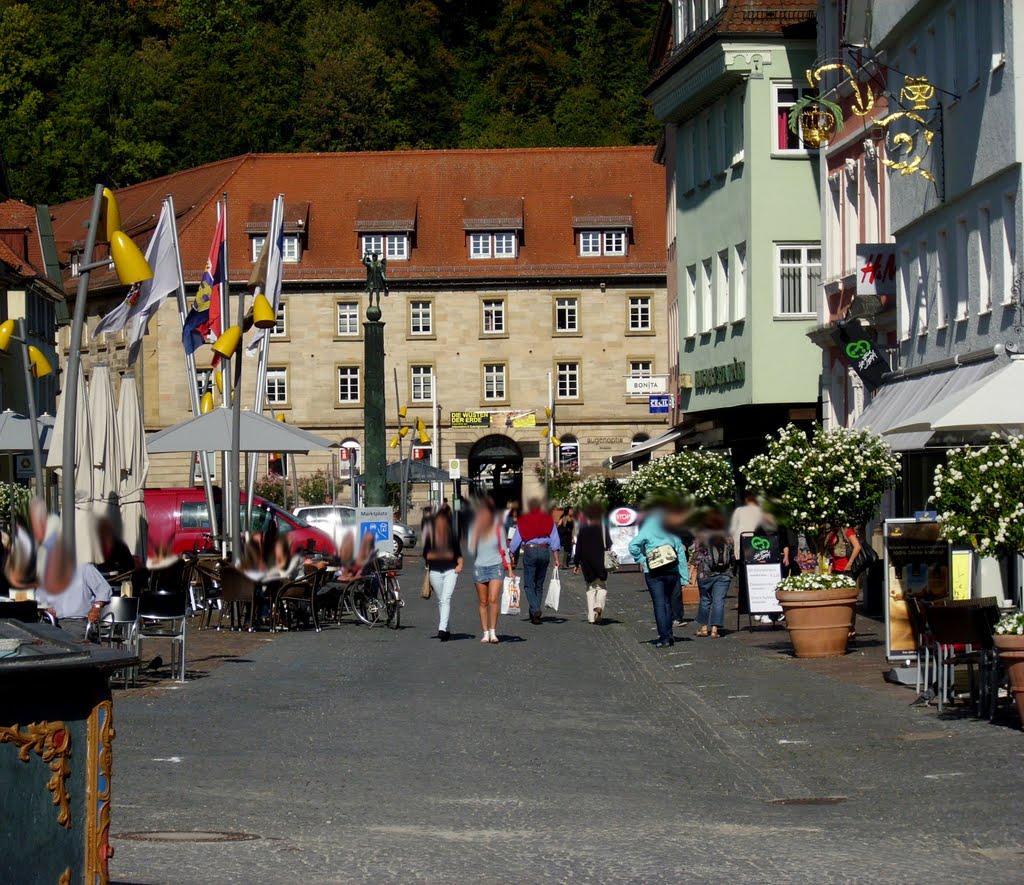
(1011, 653)
(819, 621)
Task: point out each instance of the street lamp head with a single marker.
(206, 404)
(228, 342)
(424, 439)
(40, 364)
(129, 262)
(7, 329)
(111, 219)
(263, 316)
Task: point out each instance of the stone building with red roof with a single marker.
(504, 265)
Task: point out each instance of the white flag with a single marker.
(145, 298)
(275, 267)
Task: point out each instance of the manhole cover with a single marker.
(180, 836)
(810, 800)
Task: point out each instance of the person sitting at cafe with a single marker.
(74, 595)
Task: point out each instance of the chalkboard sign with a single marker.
(760, 572)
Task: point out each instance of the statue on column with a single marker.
(376, 283)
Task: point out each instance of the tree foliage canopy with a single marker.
(123, 90)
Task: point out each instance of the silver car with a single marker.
(334, 519)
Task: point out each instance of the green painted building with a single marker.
(743, 220)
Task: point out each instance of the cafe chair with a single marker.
(301, 592)
(119, 628)
(163, 616)
(963, 636)
(237, 591)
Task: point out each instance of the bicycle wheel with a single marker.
(393, 601)
(366, 603)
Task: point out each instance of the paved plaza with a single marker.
(567, 752)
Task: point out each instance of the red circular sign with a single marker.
(623, 516)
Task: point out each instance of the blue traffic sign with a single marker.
(379, 530)
(660, 404)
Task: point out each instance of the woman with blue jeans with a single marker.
(443, 557)
(491, 563)
(714, 558)
(662, 558)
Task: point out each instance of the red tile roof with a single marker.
(430, 188)
(19, 238)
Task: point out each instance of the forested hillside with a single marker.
(124, 90)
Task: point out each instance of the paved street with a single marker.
(568, 752)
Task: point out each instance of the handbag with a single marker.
(510, 596)
(864, 560)
(554, 592)
(661, 556)
(611, 561)
(427, 589)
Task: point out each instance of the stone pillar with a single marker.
(374, 459)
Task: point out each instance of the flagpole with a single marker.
(236, 418)
(190, 363)
(229, 468)
(276, 223)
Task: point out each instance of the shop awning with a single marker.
(492, 213)
(601, 212)
(901, 399)
(645, 448)
(296, 218)
(388, 215)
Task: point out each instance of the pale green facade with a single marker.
(737, 196)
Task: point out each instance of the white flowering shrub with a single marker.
(816, 581)
(16, 496)
(979, 497)
(1012, 624)
(705, 478)
(831, 480)
(600, 489)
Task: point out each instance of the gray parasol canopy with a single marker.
(212, 433)
(16, 433)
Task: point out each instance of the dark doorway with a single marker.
(496, 469)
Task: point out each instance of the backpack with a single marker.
(720, 554)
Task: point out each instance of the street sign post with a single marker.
(454, 468)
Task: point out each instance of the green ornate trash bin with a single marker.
(56, 729)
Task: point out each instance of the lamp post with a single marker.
(374, 461)
(35, 365)
(131, 267)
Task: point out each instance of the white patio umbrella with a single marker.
(134, 467)
(212, 433)
(106, 446)
(86, 546)
(990, 403)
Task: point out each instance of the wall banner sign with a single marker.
(876, 269)
(522, 418)
(720, 376)
(646, 385)
(861, 353)
(659, 405)
(471, 419)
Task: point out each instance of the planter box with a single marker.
(1011, 654)
(819, 621)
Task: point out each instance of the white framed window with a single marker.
(643, 460)
(76, 260)
(422, 383)
(567, 315)
(798, 278)
(394, 247)
(784, 96)
(349, 457)
(291, 248)
(567, 385)
(348, 319)
(851, 224)
(277, 386)
(923, 285)
(738, 129)
(739, 303)
(689, 159)
(421, 318)
(506, 244)
(998, 34)
(280, 329)
(640, 319)
(569, 453)
(1009, 246)
(495, 381)
(945, 282)
(494, 316)
(348, 384)
(707, 319)
(984, 259)
(708, 148)
(479, 245)
(204, 380)
(903, 291)
(958, 299)
(722, 289)
(640, 368)
(595, 243)
(691, 300)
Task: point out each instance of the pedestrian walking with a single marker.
(537, 534)
(442, 556)
(567, 531)
(592, 544)
(491, 563)
(662, 558)
(745, 518)
(713, 552)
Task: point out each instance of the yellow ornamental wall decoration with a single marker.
(52, 742)
(905, 148)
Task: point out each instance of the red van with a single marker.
(182, 517)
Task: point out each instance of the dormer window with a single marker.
(603, 225)
(291, 248)
(394, 247)
(492, 226)
(499, 244)
(595, 243)
(296, 230)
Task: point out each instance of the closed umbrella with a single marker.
(86, 546)
(134, 467)
(106, 446)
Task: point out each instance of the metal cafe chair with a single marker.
(119, 628)
(963, 637)
(236, 591)
(925, 644)
(163, 616)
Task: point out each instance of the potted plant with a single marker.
(977, 495)
(1008, 637)
(817, 485)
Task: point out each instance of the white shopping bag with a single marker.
(510, 596)
(554, 591)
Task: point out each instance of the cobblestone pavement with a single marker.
(567, 752)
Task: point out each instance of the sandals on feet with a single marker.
(703, 631)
